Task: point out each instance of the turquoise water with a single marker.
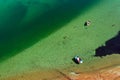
(23, 23)
(55, 33)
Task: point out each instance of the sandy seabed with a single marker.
(103, 74)
(96, 27)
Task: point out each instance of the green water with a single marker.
(25, 23)
(30, 42)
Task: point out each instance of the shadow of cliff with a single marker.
(15, 39)
(112, 46)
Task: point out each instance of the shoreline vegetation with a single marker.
(50, 40)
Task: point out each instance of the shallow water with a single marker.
(51, 39)
(23, 23)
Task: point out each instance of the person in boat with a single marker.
(87, 23)
(78, 60)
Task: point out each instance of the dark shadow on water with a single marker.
(112, 46)
(15, 39)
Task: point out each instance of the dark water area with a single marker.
(112, 46)
(16, 37)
